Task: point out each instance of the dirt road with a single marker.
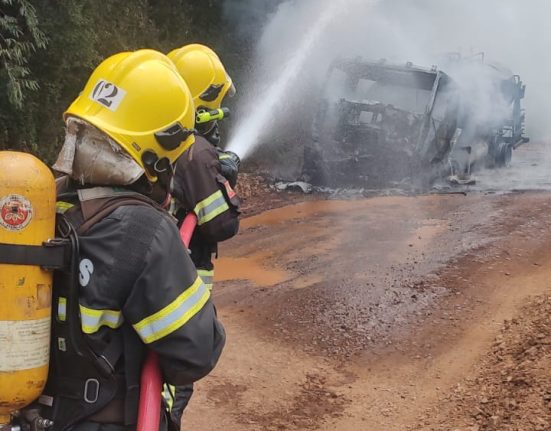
(389, 313)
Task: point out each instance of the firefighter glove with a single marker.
(230, 163)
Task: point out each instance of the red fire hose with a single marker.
(149, 411)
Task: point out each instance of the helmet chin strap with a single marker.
(213, 135)
(166, 203)
(165, 180)
(161, 190)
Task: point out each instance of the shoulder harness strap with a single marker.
(83, 391)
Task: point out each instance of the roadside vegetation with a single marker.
(49, 48)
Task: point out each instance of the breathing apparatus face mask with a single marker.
(89, 156)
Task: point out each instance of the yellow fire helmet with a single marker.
(204, 73)
(140, 100)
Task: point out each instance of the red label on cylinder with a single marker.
(16, 212)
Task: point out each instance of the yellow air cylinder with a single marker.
(27, 216)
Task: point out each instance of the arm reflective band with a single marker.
(62, 309)
(92, 320)
(174, 315)
(207, 277)
(62, 207)
(210, 207)
(169, 395)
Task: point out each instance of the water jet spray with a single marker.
(250, 130)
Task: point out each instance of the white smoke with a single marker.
(291, 58)
(511, 32)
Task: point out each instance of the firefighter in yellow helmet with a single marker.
(205, 175)
(135, 286)
(205, 75)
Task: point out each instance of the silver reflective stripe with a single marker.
(62, 309)
(207, 277)
(92, 320)
(210, 207)
(175, 314)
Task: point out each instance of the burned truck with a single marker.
(490, 117)
(380, 124)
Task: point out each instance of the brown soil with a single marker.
(512, 391)
(390, 313)
(257, 195)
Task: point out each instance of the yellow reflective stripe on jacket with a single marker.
(174, 315)
(168, 393)
(210, 207)
(62, 309)
(92, 320)
(62, 207)
(207, 277)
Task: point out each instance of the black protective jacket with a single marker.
(136, 278)
(199, 186)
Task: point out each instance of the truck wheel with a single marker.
(504, 155)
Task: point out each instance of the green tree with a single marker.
(20, 37)
(81, 33)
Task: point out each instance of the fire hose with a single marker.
(149, 411)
